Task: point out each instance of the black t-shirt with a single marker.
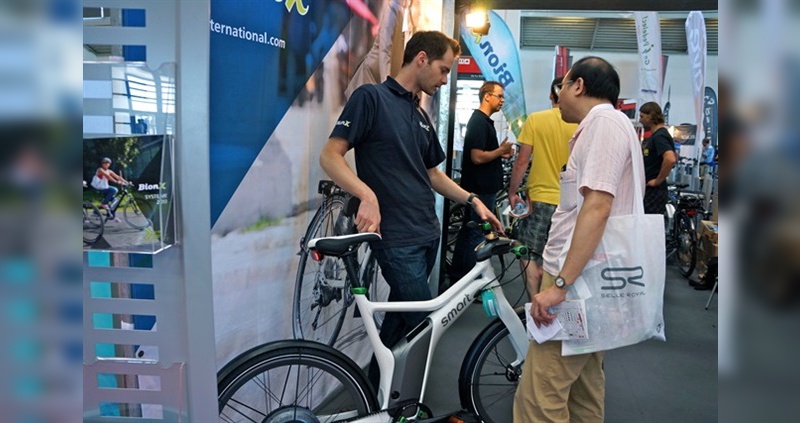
(659, 143)
(395, 145)
(486, 178)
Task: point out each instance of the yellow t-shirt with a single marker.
(549, 137)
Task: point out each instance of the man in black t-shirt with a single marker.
(397, 156)
(481, 172)
(659, 157)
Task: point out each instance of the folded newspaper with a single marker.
(570, 323)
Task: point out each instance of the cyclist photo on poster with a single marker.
(126, 193)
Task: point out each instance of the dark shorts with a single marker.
(533, 229)
(655, 199)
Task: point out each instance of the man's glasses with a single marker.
(500, 96)
(557, 87)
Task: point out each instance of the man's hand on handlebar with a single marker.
(486, 215)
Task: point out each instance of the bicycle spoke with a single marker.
(245, 406)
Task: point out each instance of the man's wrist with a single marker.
(471, 199)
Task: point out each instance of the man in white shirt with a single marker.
(554, 388)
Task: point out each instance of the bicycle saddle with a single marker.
(339, 245)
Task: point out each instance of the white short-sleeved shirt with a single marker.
(601, 149)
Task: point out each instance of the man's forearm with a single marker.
(446, 187)
(668, 160)
(520, 166)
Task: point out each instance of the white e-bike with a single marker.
(306, 381)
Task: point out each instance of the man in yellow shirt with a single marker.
(544, 143)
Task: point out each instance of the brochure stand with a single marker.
(129, 123)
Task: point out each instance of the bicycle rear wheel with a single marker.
(487, 381)
(93, 223)
(686, 247)
(321, 295)
(293, 381)
(133, 214)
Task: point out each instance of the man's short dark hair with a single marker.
(488, 87)
(652, 109)
(553, 88)
(434, 43)
(599, 77)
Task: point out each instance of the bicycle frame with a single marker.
(445, 309)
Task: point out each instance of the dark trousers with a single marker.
(467, 239)
(406, 270)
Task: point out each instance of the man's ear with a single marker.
(422, 56)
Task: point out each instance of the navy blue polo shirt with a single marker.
(395, 145)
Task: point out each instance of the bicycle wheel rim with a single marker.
(489, 390)
(133, 215)
(686, 252)
(292, 384)
(321, 288)
(93, 225)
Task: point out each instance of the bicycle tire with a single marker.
(314, 297)
(93, 223)
(133, 214)
(686, 248)
(487, 382)
(293, 381)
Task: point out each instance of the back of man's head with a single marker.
(600, 79)
(434, 43)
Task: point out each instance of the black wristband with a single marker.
(471, 197)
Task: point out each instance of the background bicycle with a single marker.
(309, 381)
(683, 213)
(322, 294)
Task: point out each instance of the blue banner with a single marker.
(710, 122)
(262, 54)
(498, 57)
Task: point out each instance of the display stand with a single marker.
(147, 312)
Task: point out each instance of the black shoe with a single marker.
(700, 285)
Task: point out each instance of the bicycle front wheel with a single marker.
(321, 288)
(93, 223)
(133, 215)
(686, 248)
(488, 380)
(293, 381)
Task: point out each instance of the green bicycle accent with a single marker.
(521, 251)
(359, 290)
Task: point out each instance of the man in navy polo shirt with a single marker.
(397, 153)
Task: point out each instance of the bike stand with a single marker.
(713, 291)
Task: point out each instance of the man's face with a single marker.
(496, 98)
(435, 73)
(646, 120)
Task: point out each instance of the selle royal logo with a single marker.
(301, 8)
(623, 276)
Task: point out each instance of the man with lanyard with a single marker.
(481, 172)
(397, 153)
(659, 157)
